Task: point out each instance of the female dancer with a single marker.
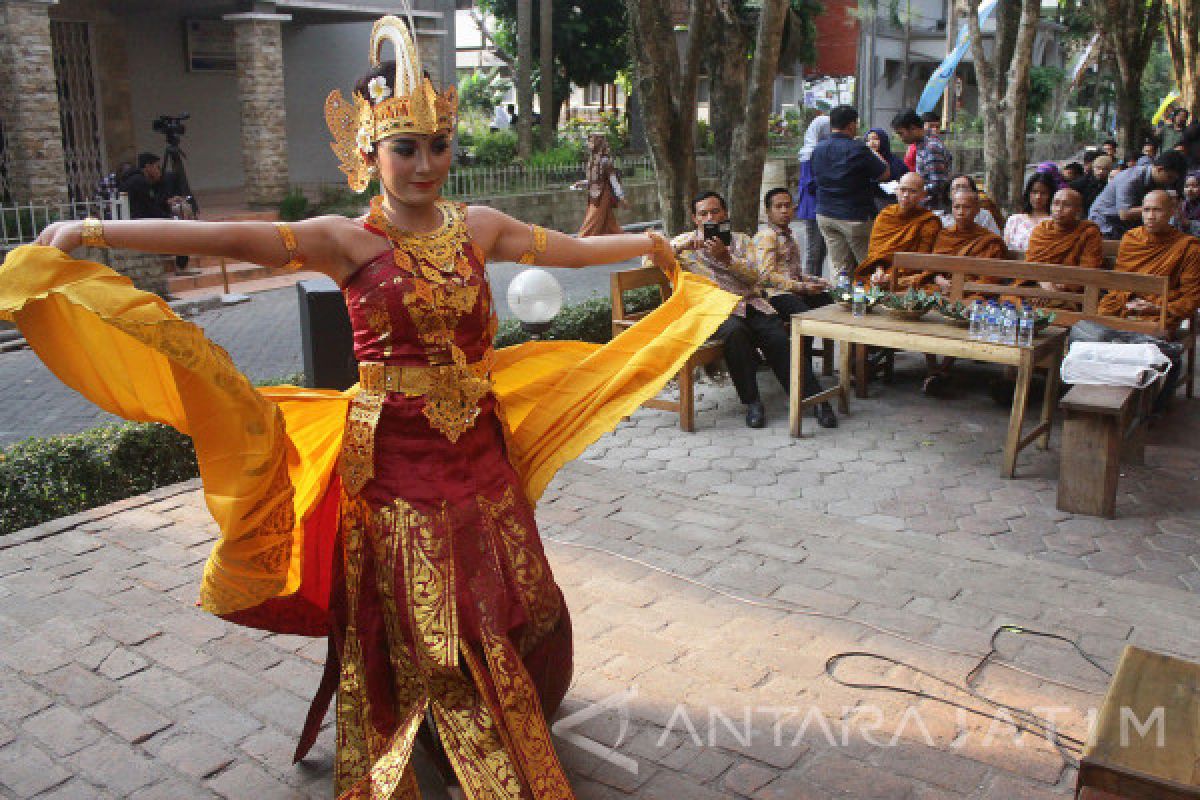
(396, 519)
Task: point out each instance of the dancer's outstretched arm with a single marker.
(322, 243)
(503, 238)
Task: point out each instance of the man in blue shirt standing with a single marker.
(1118, 209)
(845, 171)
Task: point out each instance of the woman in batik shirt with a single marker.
(396, 518)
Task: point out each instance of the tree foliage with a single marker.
(482, 90)
(590, 40)
(1131, 27)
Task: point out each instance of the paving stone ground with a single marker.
(113, 684)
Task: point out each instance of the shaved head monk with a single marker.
(965, 237)
(905, 227)
(1066, 239)
(1158, 248)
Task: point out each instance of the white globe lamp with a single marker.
(535, 298)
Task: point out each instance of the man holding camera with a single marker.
(143, 185)
(728, 259)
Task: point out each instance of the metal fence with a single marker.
(21, 224)
(473, 183)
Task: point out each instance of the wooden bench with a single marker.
(708, 353)
(1085, 288)
(1103, 426)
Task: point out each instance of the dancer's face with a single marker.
(413, 167)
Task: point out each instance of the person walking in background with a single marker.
(932, 160)
(846, 172)
(806, 193)
(604, 190)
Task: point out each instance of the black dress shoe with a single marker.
(756, 415)
(825, 416)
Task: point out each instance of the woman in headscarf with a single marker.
(878, 140)
(603, 188)
(806, 195)
(1051, 169)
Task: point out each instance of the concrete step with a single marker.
(210, 275)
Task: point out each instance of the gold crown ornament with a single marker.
(409, 105)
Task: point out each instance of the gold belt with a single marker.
(418, 380)
(452, 393)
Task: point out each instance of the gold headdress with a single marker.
(409, 105)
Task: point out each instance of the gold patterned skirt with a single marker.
(446, 609)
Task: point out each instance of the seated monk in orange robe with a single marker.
(1158, 248)
(965, 238)
(905, 227)
(1066, 239)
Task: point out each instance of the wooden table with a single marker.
(932, 336)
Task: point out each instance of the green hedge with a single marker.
(44, 479)
(48, 478)
(589, 321)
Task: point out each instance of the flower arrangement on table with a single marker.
(910, 305)
(845, 297)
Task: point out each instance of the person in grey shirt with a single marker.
(1118, 209)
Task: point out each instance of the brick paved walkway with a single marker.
(908, 463)
(112, 684)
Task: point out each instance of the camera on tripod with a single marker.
(171, 127)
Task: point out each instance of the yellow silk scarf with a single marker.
(266, 455)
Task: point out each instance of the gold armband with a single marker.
(538, 246)
(288, 236)
(93, 233)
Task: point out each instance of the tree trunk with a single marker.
(995, 154)
(546, 56)
(524, 78)
(667, 92)
(750, 139)
(1016, 99)
(1131, 26)
(1181, 20)
(728, 79)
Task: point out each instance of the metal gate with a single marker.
(78, 107)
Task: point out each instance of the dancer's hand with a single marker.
(659, 244)
(66, 235)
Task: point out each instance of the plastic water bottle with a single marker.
(843, 279)
(858, 305)
(975, 331)
(1010, 323)
(1025, 329)
(992, 322)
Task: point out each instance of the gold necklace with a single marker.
(440, 248)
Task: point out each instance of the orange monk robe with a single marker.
(1173, 253)
(974, 240)
(898, 232)
(1050, 244)
(1081, 247)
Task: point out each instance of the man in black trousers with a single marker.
(729, 260)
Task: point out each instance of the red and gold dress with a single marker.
(394, 517)
(446, 603)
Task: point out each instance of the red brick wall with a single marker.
(837, 39)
